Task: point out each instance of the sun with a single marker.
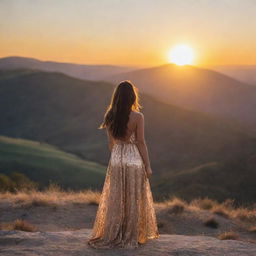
(181, 55)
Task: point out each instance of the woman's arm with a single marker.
(140, 141)
(110, 140)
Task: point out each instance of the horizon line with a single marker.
(119, 65)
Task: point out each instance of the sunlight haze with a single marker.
(181, 55)
(222, 32)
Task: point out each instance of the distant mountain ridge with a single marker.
(191, 87)
(243, 73)
(89, 72)
(197, 89)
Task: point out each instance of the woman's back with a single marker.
(134, 134)
(131, 125)
(125, 217)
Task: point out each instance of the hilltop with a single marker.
(55, 221)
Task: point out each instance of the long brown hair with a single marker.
(125, 98)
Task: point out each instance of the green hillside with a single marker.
(43, 163)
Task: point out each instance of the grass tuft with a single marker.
(228, 235)
(219, 210)
(204, 203)
(175, 206)
(245, 214)
(18, 224)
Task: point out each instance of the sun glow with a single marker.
(181, 55)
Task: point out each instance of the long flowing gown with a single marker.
(126, 216)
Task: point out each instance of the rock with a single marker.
(75, 243)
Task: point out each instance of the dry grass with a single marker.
(176, 209)
(228, 235)
(204, 203)
(220, 210)
(175, 205)
(18, 224)
(52, 196)
(228, 204)
(245, 214)
(211, 222)
(225, 209)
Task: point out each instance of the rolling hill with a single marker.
(44, 163)
(197, 89)
(90, 72)
(63, 111)
(244, 73)
(233, 179)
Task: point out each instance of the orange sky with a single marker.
(129, 32)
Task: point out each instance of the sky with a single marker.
(129, 32)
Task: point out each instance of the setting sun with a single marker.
(181, 55)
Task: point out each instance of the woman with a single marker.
(125, 217)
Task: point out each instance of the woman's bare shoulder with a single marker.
(137, 113)
(136, 117)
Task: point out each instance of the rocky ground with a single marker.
(74, 243)
(63, 229)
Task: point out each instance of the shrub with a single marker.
(6, 183)
(16, 182)
(212, 223)
(22, 182)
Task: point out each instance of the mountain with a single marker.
(90, 72)
(43, 163)
(246, 73)
(233, 179)
(53, 108)
(197, 89)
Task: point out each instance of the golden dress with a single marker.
(126, 216)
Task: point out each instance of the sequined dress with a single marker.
(125, 216)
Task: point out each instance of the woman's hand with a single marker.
(148, 171)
